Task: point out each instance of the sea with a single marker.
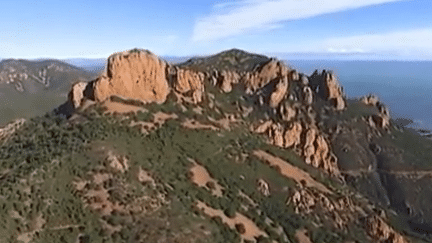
(404, 86)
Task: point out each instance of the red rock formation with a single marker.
(227, 79)
(266, 73)
(135, 75)
(371, 100)
(76, 95)
(334, 91)
(292, 135)
(328, 88)
(315, 149)
(382, 232)
(287, 111)
(279, 93)
(339, 212)
(190, 81)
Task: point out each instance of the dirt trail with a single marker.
(251, 230)
(290, 171)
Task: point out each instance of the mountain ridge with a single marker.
(232, 113)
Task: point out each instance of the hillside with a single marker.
(29, 88)
(210, 150)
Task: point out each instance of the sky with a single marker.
(303, 29)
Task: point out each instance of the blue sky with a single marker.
(352, 29)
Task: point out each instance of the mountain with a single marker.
(28, 88)
(234, 147)
(89, 64)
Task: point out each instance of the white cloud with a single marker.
(415, 43)
(235, 18)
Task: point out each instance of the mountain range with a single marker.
(234, 147)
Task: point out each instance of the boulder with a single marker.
(263, 187)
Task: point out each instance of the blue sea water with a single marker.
(405, 87)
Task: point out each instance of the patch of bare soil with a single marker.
(36, 225)
(301, 236)
(290, 171)
(201, 177)
(120, 108)
(250, 229)
(193, 124)
(159, 119)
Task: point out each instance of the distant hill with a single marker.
(89, 64)
(233, 59)
(29, 88)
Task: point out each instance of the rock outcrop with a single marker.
(10, 129)
(339, 212)
(139, 75)
(327, 86)
(279, 92)
(227, 79)
(307, 140)
(188, 81)
(370, 100)
(382, 232)
(76, 95)
(263, 187)
(382, 118)
(264, 74)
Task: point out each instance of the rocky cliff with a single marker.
(246, 141)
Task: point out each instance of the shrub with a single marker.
(240, 228)
(230, 211)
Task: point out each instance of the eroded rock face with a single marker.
(292, 135)
(190, 81)
(279, 93)
(76, 95)
(287, 111)
(314, 148)
(135, 75)
(266, 73)
(307, 95)
(227, 79)
(382, 232)
(371, 100)
(10, 129)
(327, 86)
(339, 212)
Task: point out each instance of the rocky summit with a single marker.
(234, 147)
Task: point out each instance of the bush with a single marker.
(240, 228)
(230, 211)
